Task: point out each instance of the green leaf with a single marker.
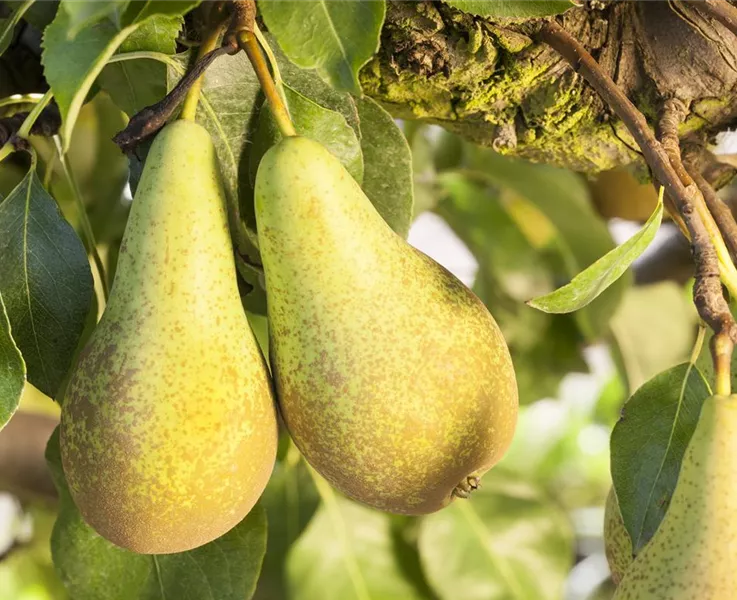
(12, 369)
(511, 8)
(653, 329)
(93, 568)
(387, 160)
(290, 500)
(562, 197)
(142, 10)
(315, 122)
(347, 553)
(592, 281)
(507, 541)
(82, 13)
(136, 84)
(648, 444)
(7, 25)
(72, 65)
(42, 13)
(45, 281)
(336, 38)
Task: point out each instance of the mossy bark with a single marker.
(491, 82)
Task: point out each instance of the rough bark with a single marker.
(490, 81)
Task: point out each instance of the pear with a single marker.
(392, 377)
(692, 553)
(168, 426)
(617, 542)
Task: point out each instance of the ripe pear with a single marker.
(692, 553)
(392, 377)
(617, 542)
(168, 427)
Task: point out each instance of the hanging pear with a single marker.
(392, 377)
(691, 556)
(168, 427)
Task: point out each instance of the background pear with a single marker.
(692, 554)
(168, 427)
(617, 542)
(392, 377)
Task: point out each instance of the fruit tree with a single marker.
(239, 358)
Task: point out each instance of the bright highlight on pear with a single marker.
(393, 378)
(692, 554)
(168, 429)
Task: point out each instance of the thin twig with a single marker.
(655, 155)
(718, 208)
(150, 119)
(708, 295)
(243, 31)
(710, 253)
(721, 10)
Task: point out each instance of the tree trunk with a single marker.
(490, 81)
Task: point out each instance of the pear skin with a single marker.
(617, 542)
(692, 554)
(168, 427)
(392, 377)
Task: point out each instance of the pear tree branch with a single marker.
(717, 207)
(721, 10)
(710, 254)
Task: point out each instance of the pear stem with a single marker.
(192, 99)
(87, 230)
(721, 353)
(248, 42)
(271, 58)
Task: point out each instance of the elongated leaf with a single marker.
(581, 235)
(42, 13)
(7, 26)
(315, 122)
(133, 85)
(511, 8)
(71, 65)
(82, 13)
(507, 541)
(140, 10)
(648, 444)
(387, 160)
(347, 553)
(592, 281)
(12, 370)
(335, 37)
(93, 568)
(45, 281)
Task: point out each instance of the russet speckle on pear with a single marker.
(168, 427)
(617, 542)
(392, 377)
(692, 554)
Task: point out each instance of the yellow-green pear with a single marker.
(168, 427)
(392, 377)
(617, 542)
(692, 554)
